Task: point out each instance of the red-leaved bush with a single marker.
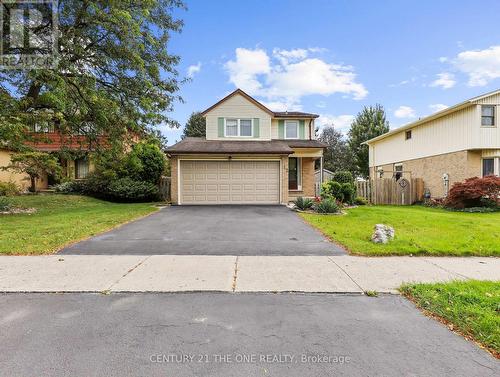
(474, 192)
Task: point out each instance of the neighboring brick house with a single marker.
(46, 138)
(250, 155)
(449, 146)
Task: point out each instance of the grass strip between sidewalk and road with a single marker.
(60, 220)
(419, 230)
(471, 308)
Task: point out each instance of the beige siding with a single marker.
(460, 130)
(274, 129)
(238, 106)
(450, 133)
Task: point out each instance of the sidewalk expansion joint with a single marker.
(235, 274)
(345, 272)
(128, 272)
(445, 269)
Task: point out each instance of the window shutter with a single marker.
(256, 128)
(220, 123)
(302, 129)
(281, 129)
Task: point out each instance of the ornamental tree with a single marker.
(35, 165)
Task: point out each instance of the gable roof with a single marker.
(274, 114)
(434, 116)
(242, 93)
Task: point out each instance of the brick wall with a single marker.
(458, 165)
(174, 198)
(307, 180)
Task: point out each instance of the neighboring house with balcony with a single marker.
(250, 155)
(449, 146)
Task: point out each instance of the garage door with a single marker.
(229, 182)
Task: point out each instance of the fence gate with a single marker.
(404, 191)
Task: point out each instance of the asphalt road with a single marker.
(212, 230)
(228, 335)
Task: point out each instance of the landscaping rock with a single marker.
(382, 233)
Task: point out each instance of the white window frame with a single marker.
(292, 121)
(238, 121)
(494, 116)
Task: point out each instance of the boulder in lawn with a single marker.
(382, 233)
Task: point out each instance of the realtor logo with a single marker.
(28, 34)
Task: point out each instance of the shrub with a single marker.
(71, 187)
(5, 204)
(360, 201)
(9, 189)
(129, 190)
(303, 203)
(332, 189)
(343, 177)
(348, 192)
(146, 162)
(437, 202)
(474, 192)
(327, 206)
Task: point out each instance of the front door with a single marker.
(293, 173)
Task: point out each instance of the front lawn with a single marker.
(61, 220)
(419, 231)
(470, 307)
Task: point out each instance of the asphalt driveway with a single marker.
(210, 334)
(212, 230)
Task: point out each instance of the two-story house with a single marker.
(250, 155)
(45, 137)
(449, 146)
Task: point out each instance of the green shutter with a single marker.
(281, 129)
(220, 123)
(256, 128)
(302, 129)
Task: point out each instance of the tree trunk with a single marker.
(33, 184)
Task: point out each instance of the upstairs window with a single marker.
(231, 127)
(408, 135)
(42, 127)
(245, 127)
(238, 127)
(488, 116)
(291, 129)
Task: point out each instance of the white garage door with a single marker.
(229, 182)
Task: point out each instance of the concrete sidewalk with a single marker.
(182, 273)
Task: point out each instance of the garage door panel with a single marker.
(231, 182)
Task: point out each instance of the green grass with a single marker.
(472, 307)
(419, 231)
(61, 220)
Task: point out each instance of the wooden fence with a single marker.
(164, 188)
(405, 191)
(363, 189)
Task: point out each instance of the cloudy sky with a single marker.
(333, 57)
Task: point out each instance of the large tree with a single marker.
(195, 126)
(337, 155)
(114, 71)
(369, 123)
